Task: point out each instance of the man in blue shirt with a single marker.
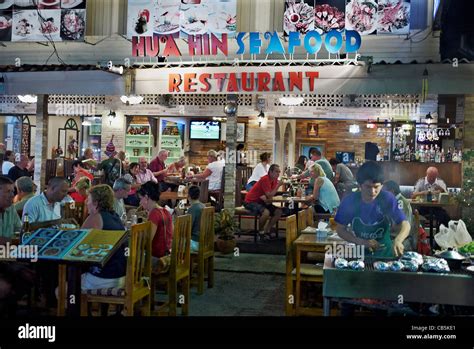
(47, 205)
(370, 213)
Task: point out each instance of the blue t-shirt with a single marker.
(371, 213)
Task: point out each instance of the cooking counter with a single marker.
(455, 288)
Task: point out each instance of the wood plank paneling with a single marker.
(336, 137)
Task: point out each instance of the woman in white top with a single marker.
(259, 171)
(213, 171)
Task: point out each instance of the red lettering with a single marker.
(205, 44)
(296, 79)
(278, 84)
(220, 80)
(152, 46)
(312, 76)
(233, 85)
(195, 45)
(171, 49)
(250, 87)
(174, 80)
(138, 46)
(217, 44)
(263, 81)
(203, 79)
(189, 83)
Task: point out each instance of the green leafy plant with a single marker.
(225, 225)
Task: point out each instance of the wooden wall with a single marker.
(335, 135)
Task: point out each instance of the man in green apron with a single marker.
(364, 218)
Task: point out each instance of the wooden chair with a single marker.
(137, 279)
(301, 221)
(308, 272)
(179, 270)
(75, 210)
(204, 258)
(310, 216)
(204, 191)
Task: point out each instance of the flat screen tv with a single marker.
(205, 130)
(345, 157)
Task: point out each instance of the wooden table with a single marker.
(431, 206)
(172, 195)
(310, 243)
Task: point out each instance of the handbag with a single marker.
(164, 262)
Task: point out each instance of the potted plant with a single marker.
(225, 227)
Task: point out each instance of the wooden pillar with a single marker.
(231, 140)
(41, 143)
(468, 164)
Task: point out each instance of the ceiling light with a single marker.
(354, 129)
(116, 70)
(28, 98)
(132, 99)
(291, 100)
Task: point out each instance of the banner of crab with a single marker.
(364, 16)
(42, 20)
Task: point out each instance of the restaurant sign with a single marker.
(210, 44)
(246, 79)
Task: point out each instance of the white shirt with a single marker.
(7, 165)
(39, 209)
(423, 184)
(215, 177)
(258, 172)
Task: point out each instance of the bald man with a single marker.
(432, 183)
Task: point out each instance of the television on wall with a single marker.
(205, 130)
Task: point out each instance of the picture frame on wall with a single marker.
(240, 132)
(305, 147)
(312, 130)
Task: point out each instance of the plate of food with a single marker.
(70, 3)
(60, 243)
(92, 251)
(49, 2)
(73, 24)
(70, 235)
(51, 251)
(49, 27)
(194, 20)
(166, 19)
(361, 16)
(38, 241)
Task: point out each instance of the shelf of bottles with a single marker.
(172, 140)
(138, 142)
(426, 143)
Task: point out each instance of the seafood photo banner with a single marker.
(42, 20)
(364, 16)
(186, 17)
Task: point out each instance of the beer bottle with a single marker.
(25, 228)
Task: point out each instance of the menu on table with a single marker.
(95, 246)
(82, 245)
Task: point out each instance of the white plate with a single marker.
(72, 4)
(6, 4)
(44, 3)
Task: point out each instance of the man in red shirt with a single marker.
(158, 167)
(258, 199)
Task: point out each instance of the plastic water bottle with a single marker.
(134, 219)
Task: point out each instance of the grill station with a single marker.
(454, 288)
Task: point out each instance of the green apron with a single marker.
(379, 231)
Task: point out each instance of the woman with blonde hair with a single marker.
(82, 186)
(100, 204)
(324, 195)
